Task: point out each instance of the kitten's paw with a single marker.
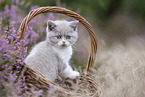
(74, 74)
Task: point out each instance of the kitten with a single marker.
(51, 57)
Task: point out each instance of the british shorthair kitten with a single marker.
(51, 57)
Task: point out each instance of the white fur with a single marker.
(65, 55)
(69, 73)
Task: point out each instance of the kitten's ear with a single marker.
(74, 24)
(50, 25)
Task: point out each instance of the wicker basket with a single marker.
(36, 78)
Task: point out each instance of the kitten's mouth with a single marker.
(63, 45)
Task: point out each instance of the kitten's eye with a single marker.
(68, 37)
(58, 37)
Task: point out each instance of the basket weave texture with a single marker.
(35, 76)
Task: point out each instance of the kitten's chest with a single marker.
(64, 53)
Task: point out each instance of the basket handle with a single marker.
(70, 13)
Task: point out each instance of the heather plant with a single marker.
(13, 51)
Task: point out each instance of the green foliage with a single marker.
(105, 8)
(43, 2)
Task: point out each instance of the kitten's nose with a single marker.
(63, 42)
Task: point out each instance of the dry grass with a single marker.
(121, 68)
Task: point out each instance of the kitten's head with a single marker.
(61, 33)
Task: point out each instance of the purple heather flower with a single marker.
(17, 71)
(14, 78)
(7, 11)
(28, 4)
(26, 87)
(3, 66)
(4, 89)
(42, 29)
(52, 86)
(6, 65)
(17, 1)
(40, 91)
(19, 19)
(22, 2)
(9, 37)
(13, 12)
(51, 16)
(18, 66)
(1, 14)
(34, 7)
(11, 72)
(21, 83)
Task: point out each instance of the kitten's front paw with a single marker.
(74, 74)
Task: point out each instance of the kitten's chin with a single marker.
(64, 46)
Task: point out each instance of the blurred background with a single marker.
(120, 30)
(110, 18)
(114, 21)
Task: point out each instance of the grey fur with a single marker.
(51, 57)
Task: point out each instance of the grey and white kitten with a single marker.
(51, 57)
